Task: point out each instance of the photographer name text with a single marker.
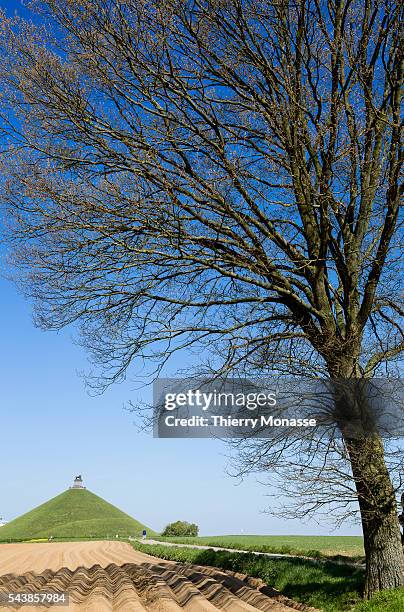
(231, 421)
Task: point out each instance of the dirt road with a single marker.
(112, 576)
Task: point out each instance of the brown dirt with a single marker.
(112, 576)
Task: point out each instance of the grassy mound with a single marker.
(76, 513)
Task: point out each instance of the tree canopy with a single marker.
(181, 528)
(223, 174)
(211, 169)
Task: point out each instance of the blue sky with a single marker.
(52, 429)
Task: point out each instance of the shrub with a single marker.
(181, 528)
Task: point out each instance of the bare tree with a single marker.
(223, 172)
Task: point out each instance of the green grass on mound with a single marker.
(76, 513)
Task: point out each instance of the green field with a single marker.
(74, 514)
(312, 546)
(328, 586)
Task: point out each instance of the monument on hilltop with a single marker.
(78, 483)
(76, 513)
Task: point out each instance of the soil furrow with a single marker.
(113, 577)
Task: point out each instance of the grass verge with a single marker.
(338, 548)
(327, 586)
(385, 601)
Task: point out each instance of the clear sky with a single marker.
(52, 429)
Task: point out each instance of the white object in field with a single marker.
(78, 483)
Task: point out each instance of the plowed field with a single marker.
(104, 576)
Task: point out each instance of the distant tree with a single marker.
(181, 528)
(221, 174)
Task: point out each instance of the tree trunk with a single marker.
(378, 507)
(376, 495)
